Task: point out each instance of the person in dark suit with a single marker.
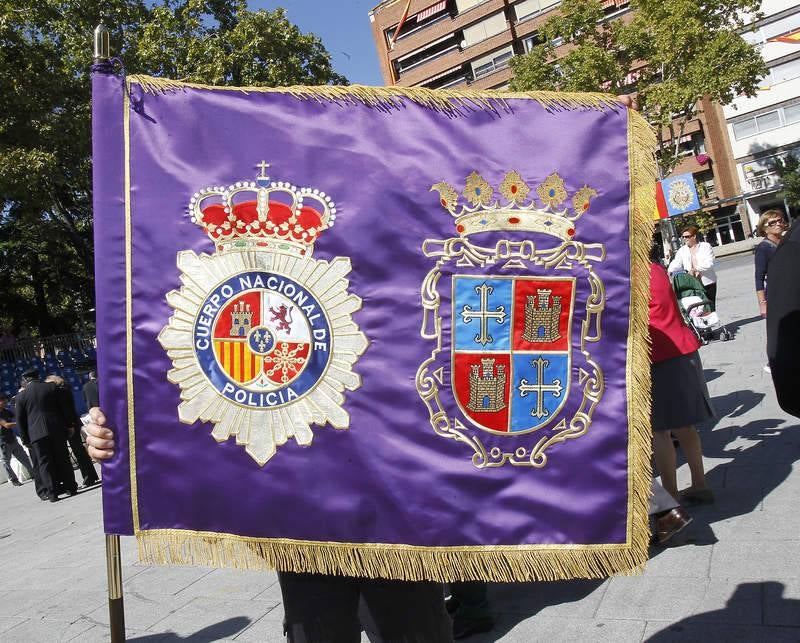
(73, 430)
(90, 392)
(42, 418)
(783, 320)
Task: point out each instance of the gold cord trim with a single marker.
(392, 97)
(126, 126)
(643, 174)
(498, 563)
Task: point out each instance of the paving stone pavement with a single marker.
(735, 577)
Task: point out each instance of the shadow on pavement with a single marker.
(735, 325)
(711, 374)
(724, 624)
(517, 602)
(222, 630)
(732, 404)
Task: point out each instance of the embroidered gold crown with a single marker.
(513, 210)
(263, 214)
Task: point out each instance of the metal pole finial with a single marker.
(102, 43)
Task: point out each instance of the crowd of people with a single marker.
(45, 420)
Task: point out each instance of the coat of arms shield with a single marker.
(513, 304)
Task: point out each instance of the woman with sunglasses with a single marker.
(771, 226)
(696, 258)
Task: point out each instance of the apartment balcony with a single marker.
(440, 28)
(421, 72)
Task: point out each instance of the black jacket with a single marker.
(783, 320)
(91, 394)
(41, 411)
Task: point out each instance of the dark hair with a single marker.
(31, 374)
(692, 229)
(3, 397)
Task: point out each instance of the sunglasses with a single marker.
(686, 236)
(776, 222)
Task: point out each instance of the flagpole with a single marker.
(116, 606)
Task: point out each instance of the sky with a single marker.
(343, 26)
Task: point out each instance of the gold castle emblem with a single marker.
(542, 317)
(487, 389)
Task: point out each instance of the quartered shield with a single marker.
(511, 356)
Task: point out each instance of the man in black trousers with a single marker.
(90, 391)
(41, 420)
(783, 320)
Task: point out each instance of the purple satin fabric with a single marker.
(389, 478)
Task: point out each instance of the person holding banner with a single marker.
(696, 258)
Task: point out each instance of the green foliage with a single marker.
(789, 170)
(703, 220)
(46, 250)
(681, 51)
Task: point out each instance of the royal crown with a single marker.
(267, 214)
(486, 213)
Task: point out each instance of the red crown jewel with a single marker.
(263, 214)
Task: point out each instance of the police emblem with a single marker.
(262, 339)
(518, 346)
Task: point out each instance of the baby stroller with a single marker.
(696, 308)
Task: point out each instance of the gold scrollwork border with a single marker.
(512, 255)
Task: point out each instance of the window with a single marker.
(791, 114)
(493, 62)
(744, 129)
(529, 8)
(768, 121)
(780, 27)
(785, 71)
(484, 29)
(463, 5)
(433, 50)
(531, 41)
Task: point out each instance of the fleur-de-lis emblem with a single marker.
(581, 199)
(552, 191)
(477, 191)
(513, 188)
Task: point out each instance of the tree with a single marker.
(672, 53)
(46, 250)
(788, 169)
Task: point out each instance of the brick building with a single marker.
(469, 43)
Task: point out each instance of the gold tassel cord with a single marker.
(393, 97)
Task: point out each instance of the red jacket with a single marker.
(669, 335)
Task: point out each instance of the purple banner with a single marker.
(374, 334)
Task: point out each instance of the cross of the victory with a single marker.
(263, 166)
(540, 388)
(484, 314)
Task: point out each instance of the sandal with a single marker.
(697, 495)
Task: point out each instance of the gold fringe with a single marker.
(643, 175)
(401, 562)
(392, 97)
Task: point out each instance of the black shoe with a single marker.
(72, 492)
(462, 628)
(90, 483)
(16, 483)
(451, 604)
(53, 498)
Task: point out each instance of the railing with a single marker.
(763, 182)
(41, 346)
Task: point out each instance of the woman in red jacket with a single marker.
(680, 394)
